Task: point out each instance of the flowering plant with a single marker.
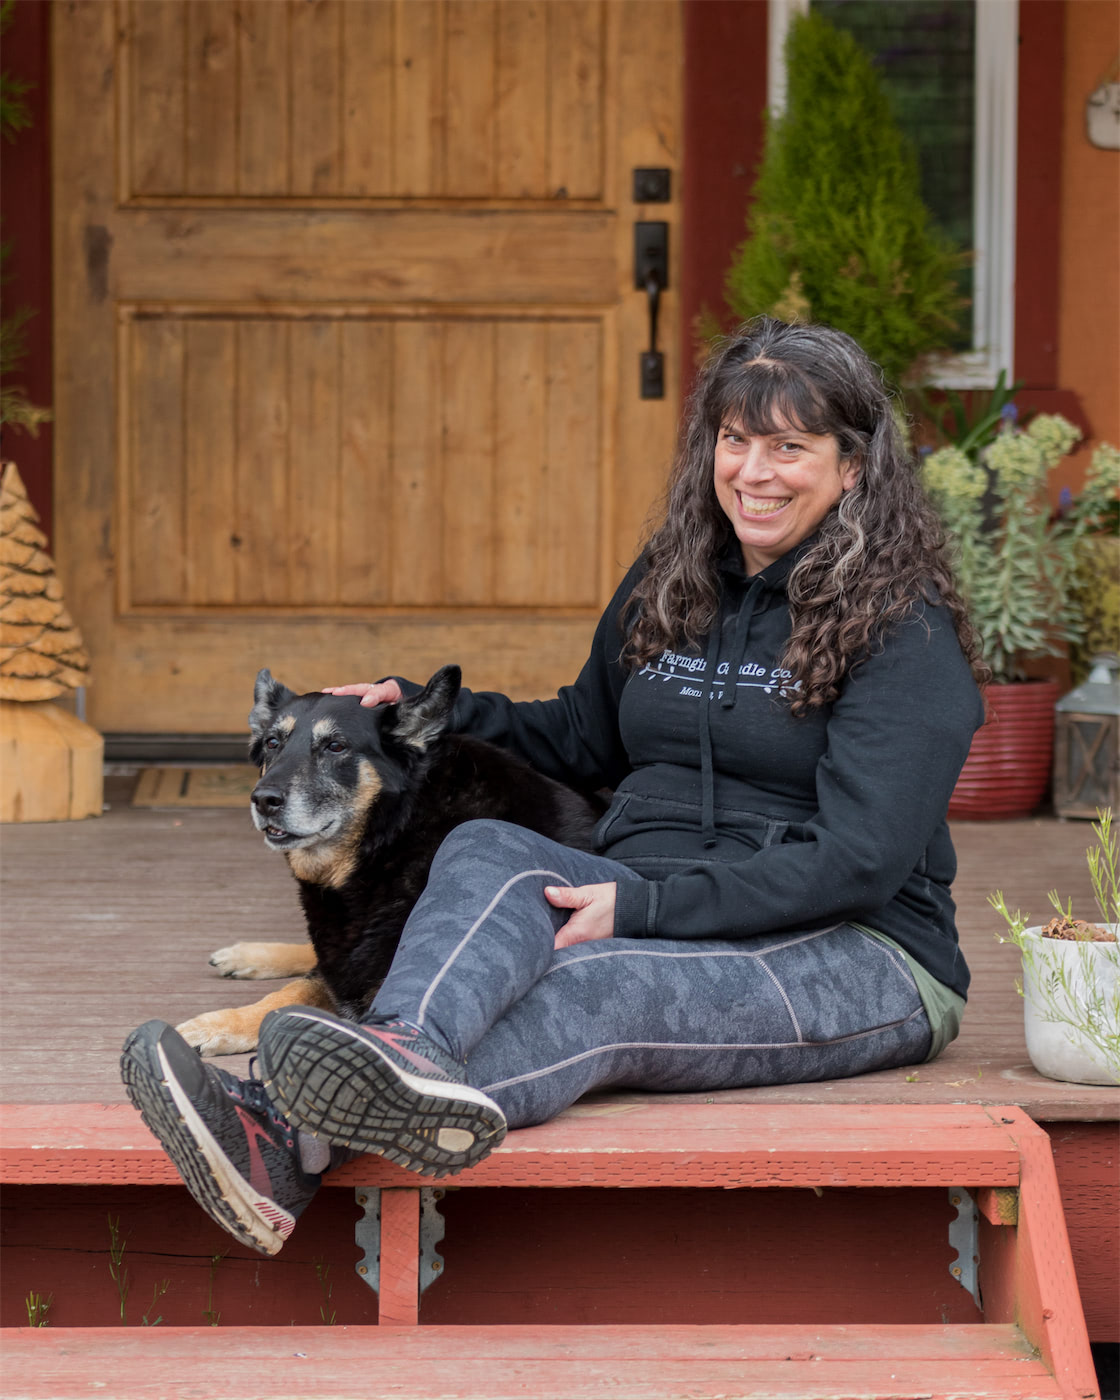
(1016, 559)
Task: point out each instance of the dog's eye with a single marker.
(272, 742)
(336, 746)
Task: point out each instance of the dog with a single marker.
(358, 801)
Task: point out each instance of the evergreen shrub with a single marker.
(838, 231)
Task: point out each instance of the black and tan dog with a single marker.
(358, 800)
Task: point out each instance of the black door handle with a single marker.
(651, 274)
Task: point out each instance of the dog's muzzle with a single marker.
(268, 806)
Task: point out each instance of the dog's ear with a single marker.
(420, 721)
(269, 696)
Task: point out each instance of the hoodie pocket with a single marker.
(657, 827)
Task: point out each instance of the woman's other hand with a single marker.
(592, 912)
(371, 692)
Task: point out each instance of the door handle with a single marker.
(651, 275)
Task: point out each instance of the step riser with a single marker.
(511, 1256)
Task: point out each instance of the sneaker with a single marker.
(237, 1156)
(382, 1087)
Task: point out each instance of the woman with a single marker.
(781, 695)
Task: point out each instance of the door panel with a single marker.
(432, 453)
(347, 379)
(467, 99)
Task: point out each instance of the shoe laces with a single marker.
(255, 1097)
(389, 1018)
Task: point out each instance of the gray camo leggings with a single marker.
(476, 969)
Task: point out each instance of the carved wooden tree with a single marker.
(41, 651)
(50, 761)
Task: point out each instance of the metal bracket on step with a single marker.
(367, 1235)
(964, 1237)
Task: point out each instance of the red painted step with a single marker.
(516, 1363)
(1031, 1305)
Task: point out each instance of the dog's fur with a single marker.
(358, 800)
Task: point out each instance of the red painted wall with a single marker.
(1037, 213)
(724, 100)
(25, 195)
(1089, 209)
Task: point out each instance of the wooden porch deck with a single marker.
(109, 922)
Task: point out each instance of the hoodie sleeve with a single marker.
(898, 736)
(575, 737)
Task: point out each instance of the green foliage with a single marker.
(158, 1290)
(38, 1309)
(15, 407)
(210, 1316)
(14, 114)
(973, 425)
(838, 231)
(1086, 1002)
(326, 1288)
(1016, 561)
(118, 1271)
(122, 1278)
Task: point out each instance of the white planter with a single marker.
(1065, 983)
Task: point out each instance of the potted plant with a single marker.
(1071, 975)
(1016, 563)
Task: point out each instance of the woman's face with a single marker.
(776, 488)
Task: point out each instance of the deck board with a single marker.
(110, 921)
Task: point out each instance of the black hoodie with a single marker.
(743, 819)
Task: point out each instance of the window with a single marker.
(952, 68)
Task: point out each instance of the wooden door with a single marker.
(347, 342)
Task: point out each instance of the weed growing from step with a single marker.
(157, 1293)
(326, 1312)
(209, 1316)
(38, 1309)
(117, 1269)
(118, 1272)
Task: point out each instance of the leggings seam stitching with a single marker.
(513, 880)
(892, 953)
(782, 993)
(759, 953)
(675, 1045)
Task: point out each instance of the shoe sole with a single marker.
(328, 1079)
(208, 1174)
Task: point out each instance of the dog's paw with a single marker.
(219, 1033)
(263, 960)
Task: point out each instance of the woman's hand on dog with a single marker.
(371, 692)
(592, 912)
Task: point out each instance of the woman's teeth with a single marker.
(751, 506)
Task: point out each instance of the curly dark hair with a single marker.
(877, 554)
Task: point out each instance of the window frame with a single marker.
(994, 179)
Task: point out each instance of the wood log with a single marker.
(50, 764)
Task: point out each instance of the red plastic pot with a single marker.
(1007, 772)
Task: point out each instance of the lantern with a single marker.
(1087, 743)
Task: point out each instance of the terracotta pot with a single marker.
(1007, 772)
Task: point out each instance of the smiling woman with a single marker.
(780, 698)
